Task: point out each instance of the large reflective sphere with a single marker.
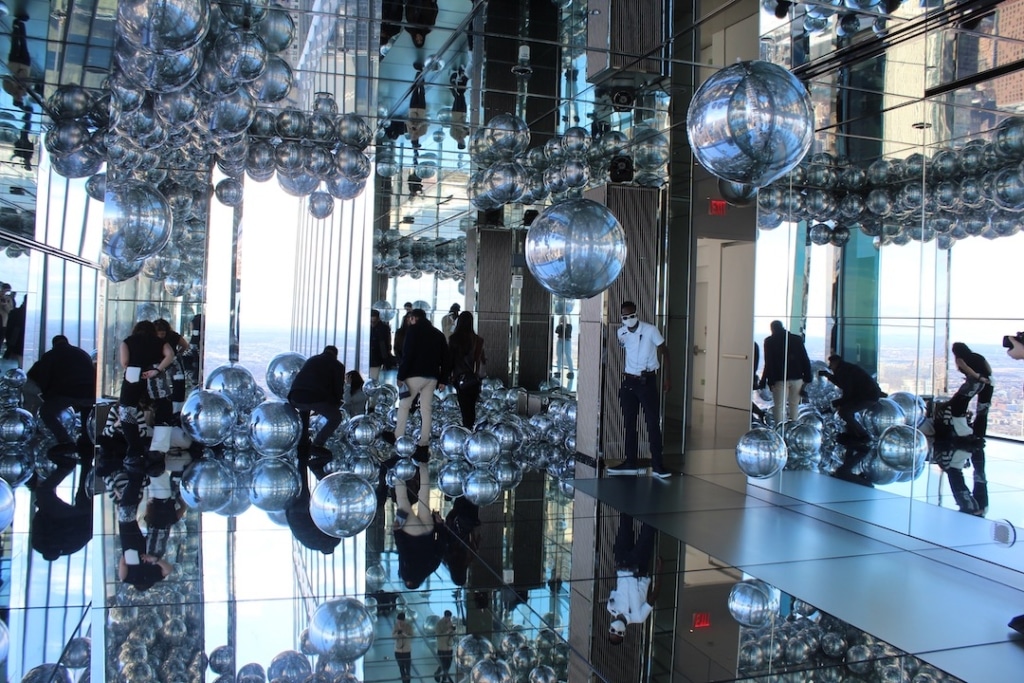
(163, 25)
(506, 135)
(342, 505)
(491, 671)
(289, 666)
(482, 448)
(281, 372)
(883, 414)
(761, 453)
(238, 383)
(208, 416)
(750, 123)
(229, 192)
(903, 448)
(576, 248)
(753, 603)
(275, 484)
(48, 673)
(137, 221)
(913, 407)
(277, 29)
(206, 485)
(17, 426)
(802, 440)
(481, 488)
(274, 428)
(451, 479)
(342, 629)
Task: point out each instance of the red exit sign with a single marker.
(717, 207)
(701, 620)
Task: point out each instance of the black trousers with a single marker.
(962, 398)
(633, 551)
(404, 660)
(329, 410)
(638, 393)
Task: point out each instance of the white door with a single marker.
(736, 326)
(700, 340)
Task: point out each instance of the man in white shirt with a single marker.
(643, 345)
(632, 601)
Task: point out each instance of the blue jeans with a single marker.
(634, 394)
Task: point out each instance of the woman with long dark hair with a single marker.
(465, 353)
(143, 356)
(977, 382)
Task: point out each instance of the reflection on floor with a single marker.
(766, 580)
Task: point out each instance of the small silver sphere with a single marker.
(342, 505)
(281, 372)
(761, 453)
(208, 417)
(342, 629)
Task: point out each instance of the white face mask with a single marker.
(631, 321)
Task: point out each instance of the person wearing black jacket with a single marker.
(860, 390)
(424, 368)
(977, 382)
(786, 369)
(380, 345)
(66, 378)
(320, 387)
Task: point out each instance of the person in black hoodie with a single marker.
(420, 537)
(786, 369)
(320, 387)
(860, 391)
(423, 369)
(66, 378)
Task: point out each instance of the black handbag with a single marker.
(160, 385)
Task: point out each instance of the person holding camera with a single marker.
(977, 382)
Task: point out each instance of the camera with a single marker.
(1008, 340)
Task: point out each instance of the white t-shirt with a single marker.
(641, 347)
(630, 597)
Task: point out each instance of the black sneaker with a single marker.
(624, 469)
(421, 454)
(660, 473)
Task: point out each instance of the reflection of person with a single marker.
(458, 130)
(754, 408)
(860, 391)
(402, 633)
(448, 322)
(632, 601)
(423, 368)
(643, 344)
(143, 356)
(14, 328)
(190, 358)
(59, 528)
(953, 460)
(444, 629)
(465, 352)
(19, 62)
(354, 396)
(419, 533)
(403, 327)
(391, 21)
(417, 120)
(380, 345)
(24, 148)
(180, 346)
(977, 382)
(420, 15)
(563, 346)
(320, 387)
(786, 369)
(136, 566)
(462, 524)
(67, 379)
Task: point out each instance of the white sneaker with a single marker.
(961, 427)
(622, 470)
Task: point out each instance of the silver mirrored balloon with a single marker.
(754, 603)
(576, 248)
(277, 29)
(289, 666)
(903, 448)
(137, 221)
(6, 505)
(208, 417)
(281, 372)
(163, 25)
(275, 484)
(229, 192)
(341, 629)
(342, 505)
(275, 83)
(481, 487)
(761, 453)
(274, 428)
(877, 418)
(237, 383)
(506, 135)
(206, 485)
(354, 131)
(751, 123)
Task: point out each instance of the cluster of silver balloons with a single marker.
(24, 441)
(898, 449)
(542, 659)
(809, 639)
(395, 255)
(851, 16)
(509, 172)
(976, 189)
(196, 84)
(157, 634)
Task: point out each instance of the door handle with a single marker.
(697, 350)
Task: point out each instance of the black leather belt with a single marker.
(645, 373)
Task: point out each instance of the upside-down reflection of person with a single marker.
(59, 528)
(419, 533)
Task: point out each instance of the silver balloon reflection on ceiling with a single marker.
(395, 254)
(197, 84)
